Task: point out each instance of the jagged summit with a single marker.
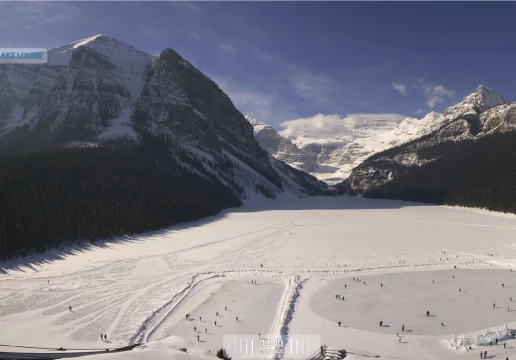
(482, 99)
(485, 98)
(116, 51)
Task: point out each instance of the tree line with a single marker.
(58, 197)
(473, 173)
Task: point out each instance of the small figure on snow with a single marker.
(195, 328)
(205, 330)
(460, 290)
(339, 323)
(70, 308)
(442, 324)
(343, 298)
(215, 323)
(381, 323)
(105, 337)
(403, 328)
(345, 286)
(481, 355)
(510, 299)
(428, 313)
(198, 337)
(101, 337)
(226, 308)
(381, 285)
(364, 282)
(505, 345)
(399, 340)
(433, 281)
(494, 305)
(200, 318)
(503, 285)
(217, 313)
(237, 318)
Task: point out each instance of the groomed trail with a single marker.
(300, 253)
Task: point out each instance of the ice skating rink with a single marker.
(405, 298)
(301, 253)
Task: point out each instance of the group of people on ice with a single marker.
(188, 317)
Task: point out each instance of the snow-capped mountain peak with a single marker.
(115, 51)
(482, 99)
(100, 90)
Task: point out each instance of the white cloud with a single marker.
(436, 94)
(419, 111)
(433, 93)
(332, 126)
(228, 49)
(399, 87)
(28, 27)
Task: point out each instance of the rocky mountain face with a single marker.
(100, 91)
(482, 113)
(331, 151)
(282, 148)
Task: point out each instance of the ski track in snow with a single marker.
(133, 291)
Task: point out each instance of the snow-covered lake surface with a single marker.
(301, 253)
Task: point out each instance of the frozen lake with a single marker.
(302, 253)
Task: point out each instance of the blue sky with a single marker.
(287, 60)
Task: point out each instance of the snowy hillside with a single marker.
(102, 91)
(330, 147)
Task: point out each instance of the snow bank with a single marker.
(481, 338)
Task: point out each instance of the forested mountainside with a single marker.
(100, 90)
(467, 160)
(164, 144)
(472, 173)
(480, 114)
(58, 197)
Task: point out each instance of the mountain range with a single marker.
(332, 151)
(482, 113)
(102, 92)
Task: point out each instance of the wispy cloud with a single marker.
(46, 13)
(433, 93)
(194, 35)
(399, 87)
(228, 49)
(322, 89)
(436, 94)
(260, 104)
(419, 111)
(332, 126)
(150, 31)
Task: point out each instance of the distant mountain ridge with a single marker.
(102, 92)
(330, 154)
(482, 113)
